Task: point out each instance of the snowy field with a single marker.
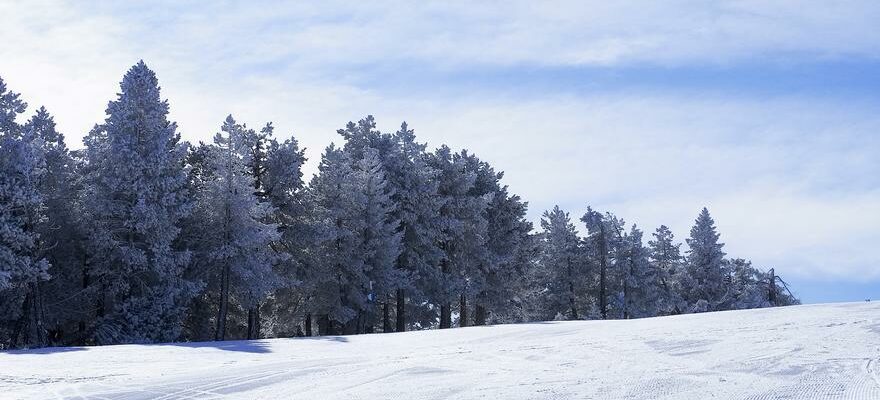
(827, 351)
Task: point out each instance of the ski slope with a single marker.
(829, 351)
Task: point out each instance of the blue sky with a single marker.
(764, 111)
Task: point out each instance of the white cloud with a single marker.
(792, 181)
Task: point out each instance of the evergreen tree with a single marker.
(666, 260)
(61, 238)
(641, 285)
(357, 238)
(462, 226)
(133, 197)
(241, 236)
(703, 285)
(607, 251)
(510, 246)
(23, 265)
(561, 272)
(285, 190)
(415, 184)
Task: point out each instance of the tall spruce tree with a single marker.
(562, 272)
(133, 196)
(666, 260)
(703, 286)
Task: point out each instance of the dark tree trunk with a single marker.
(603, 252)
(771, 295)
(28, 329)
(220, 332)
(571, 294)
(253, 329)
(386, 318)
(308, 324)
(401, 311)
(81, 326)
(327, 326)
(446, 316)
(479, 315)
(463, 311)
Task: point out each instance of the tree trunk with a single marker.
(479, 315)
(571, 294)
(771, 295)
(445, 316)
(463, 311)
(308, 324)
(603, 251)
(323, 325)
(40, 334)
(386, 318)
(253, 330)
(401, 311)
(81, 326)
(220, 332)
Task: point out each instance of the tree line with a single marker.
(140, 237)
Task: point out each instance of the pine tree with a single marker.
(415, 184)
(561, 270)
(134, 195)
(642, 286)
(61, 237)
(23, 266)
(703, 285)
(285, 190)
(241, 236)
(462, 225)
(510, 246)
(666, 260)
(357, 237)
(606, 248)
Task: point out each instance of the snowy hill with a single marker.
(800, 352)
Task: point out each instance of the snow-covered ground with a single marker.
(829, 351)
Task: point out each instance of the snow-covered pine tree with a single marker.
(511, 250)
(23, 266)
(667, 261)
(201, 323)
(380, 238)
(133, 196)
(414, 183)
(703, 285)
(642, 288)
(495, 269)
(606, 250)
(748, 286)
(61, 238)
(463, 228)
(240, 238)
(284, 188)
(357, 238)
(561, 270)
